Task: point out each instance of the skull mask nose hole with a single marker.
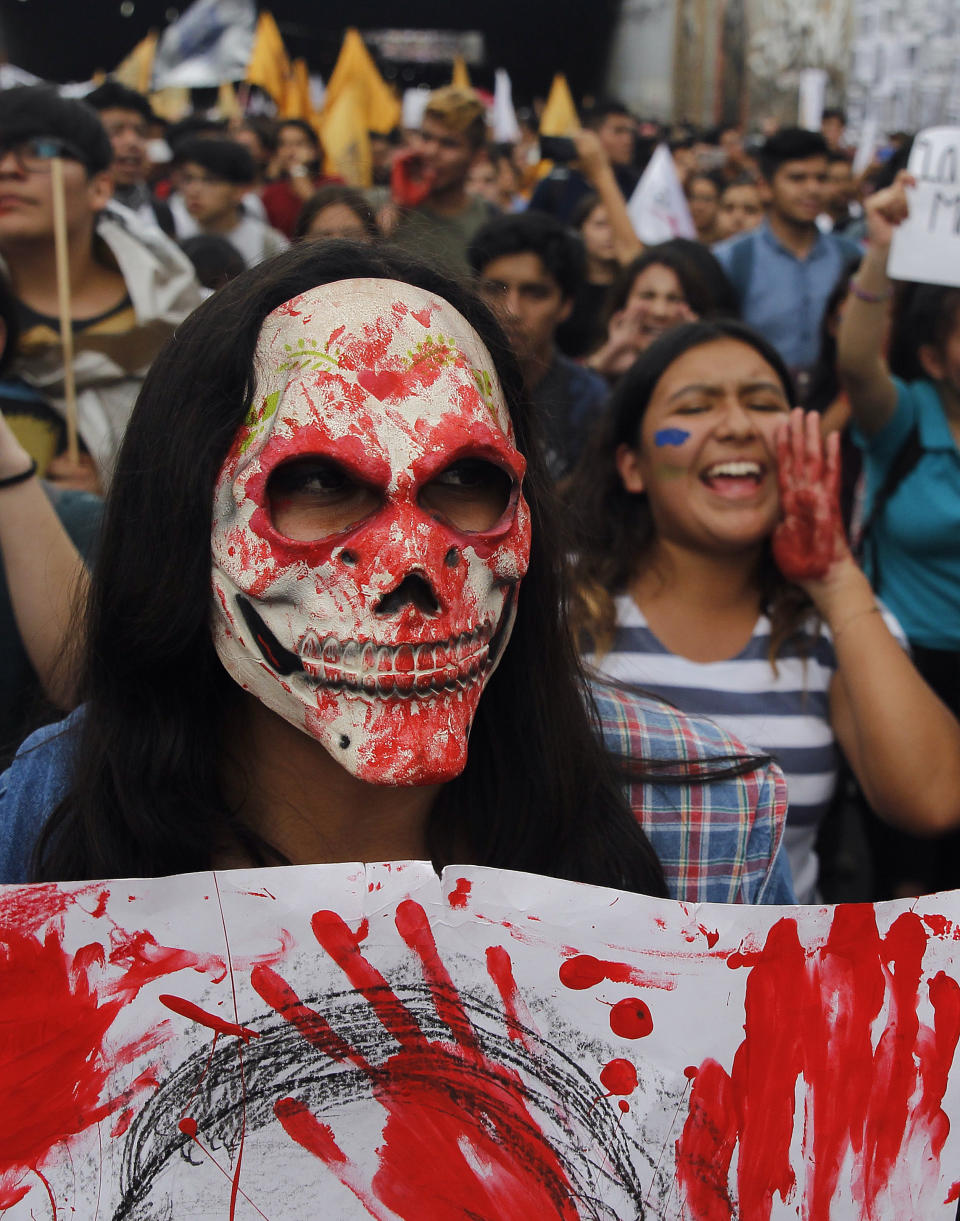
(413, 590)
(348, 557)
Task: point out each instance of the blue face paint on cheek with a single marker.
(670, 436)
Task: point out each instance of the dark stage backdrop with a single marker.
(67, 40)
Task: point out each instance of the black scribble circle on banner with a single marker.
(598, 1158)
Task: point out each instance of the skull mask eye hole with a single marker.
(313, 497)
(472, 495)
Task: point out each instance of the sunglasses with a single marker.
(34, 154)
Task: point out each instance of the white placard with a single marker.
(926, 247)
(348, 1042)
(813, 88)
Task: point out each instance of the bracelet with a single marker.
(873, 610)
(871, 298)
(13, 480)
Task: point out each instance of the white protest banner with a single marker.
(658, 208)
(503, 120)
(349, 1041)
(926, 247)
(813, 87)
(209, 44)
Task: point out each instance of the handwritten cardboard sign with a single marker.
(926, 247)
(354, 1042)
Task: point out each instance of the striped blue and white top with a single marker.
(785, 715)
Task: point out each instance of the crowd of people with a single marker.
(683, 515)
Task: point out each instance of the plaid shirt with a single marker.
(718, 841)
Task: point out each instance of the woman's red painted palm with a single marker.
(809, 536)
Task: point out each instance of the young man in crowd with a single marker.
(438, 215)
(129, 283)
(529, 268)
(563, 188)
(784, 270)
(127, 117)
(214, 176)
(840, 208)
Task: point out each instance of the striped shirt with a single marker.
(785, 715)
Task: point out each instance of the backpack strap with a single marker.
(904, 461)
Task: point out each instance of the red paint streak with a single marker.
(953, 1194)
(188, 1127)
(457, 1125)
(630, 1019)
(55, 1057)
(813, 1014)
(423, 315)
(188, 1010)
(500, 970)
(144, 960)
(711, 935)
(460, 894)
(624, 1106)
(585, 971)
(619, 1077)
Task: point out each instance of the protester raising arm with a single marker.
(860, 358)
(45, 575)
(594, 164)
(901, 741)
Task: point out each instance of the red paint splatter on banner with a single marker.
(815, 1014)
(500, 970)
(585, 971)
(460, 894)
(711, 934)
(212, 1021)
(457, 1127)
(55, 1058)
(619, 1077)
(56, 1011)
(631, 1018)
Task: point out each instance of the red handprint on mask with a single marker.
(810, 534)
(459, 1138)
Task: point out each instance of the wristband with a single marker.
(871, 298)
(13, 480)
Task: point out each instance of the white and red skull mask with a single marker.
(363, 588)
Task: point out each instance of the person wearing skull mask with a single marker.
(347, 436)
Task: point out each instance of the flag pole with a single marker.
(63, 297)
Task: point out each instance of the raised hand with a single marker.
(886, 209)
(809, 537)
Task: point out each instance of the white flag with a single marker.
(12, 76)
(211, 43)
(506, 130)
(414, 104)
(658, 207)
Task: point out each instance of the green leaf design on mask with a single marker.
(258, 417)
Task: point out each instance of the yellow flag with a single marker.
(559, 116)
(228, 106)
(346, 137)
(297, 103)
(355, 67)
(269, 66)
(136, 69)
(172, 103)
(461, 76)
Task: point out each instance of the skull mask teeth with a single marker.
(376, 637)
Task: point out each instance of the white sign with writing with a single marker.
(926, 247)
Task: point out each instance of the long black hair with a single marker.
(614, 528)
(539, 792)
